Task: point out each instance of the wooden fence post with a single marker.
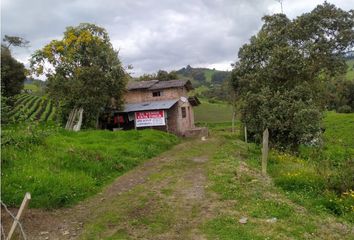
(246, 134)
(265, 149)
(24, 204)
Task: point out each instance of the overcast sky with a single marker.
(152, 34)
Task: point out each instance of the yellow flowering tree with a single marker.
(83, 71)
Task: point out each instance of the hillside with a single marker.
(203, 76)
(32, 107)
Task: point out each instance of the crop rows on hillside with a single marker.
(31, 107)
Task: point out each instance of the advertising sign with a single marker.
(150, 118)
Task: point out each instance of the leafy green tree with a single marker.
(280, 73)
(12, 73)
(199, 76)
(163, 75)
(219, 77)
(85, 71)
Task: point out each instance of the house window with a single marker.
(157, 94)
(184, 113)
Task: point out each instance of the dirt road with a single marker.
(197, 190)
(169, 186)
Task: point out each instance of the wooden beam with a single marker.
(265, 150)
(24, 205)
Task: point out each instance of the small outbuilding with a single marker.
(163, 105)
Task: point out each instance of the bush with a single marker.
(344, 109)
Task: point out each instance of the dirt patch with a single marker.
(197, 179)
(201, 159)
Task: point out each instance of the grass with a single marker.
(158, 208)
(208, 112)
(32, 87)
(29, 106)
(234, 175)
(319, 178)
(60, 168)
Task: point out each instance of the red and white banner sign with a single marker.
(150, 118)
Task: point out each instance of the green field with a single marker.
(33, 87)
(32, 107)
(208, 112)
(319, 178)
(60, 168)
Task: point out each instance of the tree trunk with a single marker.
(233, 121)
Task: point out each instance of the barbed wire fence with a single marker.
(16, 219)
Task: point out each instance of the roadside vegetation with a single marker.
(60, 168)
(272, 210)
(318, 178)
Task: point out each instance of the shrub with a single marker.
(344, 109)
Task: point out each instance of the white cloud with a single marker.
(152, 34)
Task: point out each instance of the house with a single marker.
(163, 105)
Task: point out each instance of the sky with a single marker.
(152, 34)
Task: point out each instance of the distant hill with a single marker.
(208, 83)
(203, 76)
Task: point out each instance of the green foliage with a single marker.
(15, 41)
(30, 107)
(219, 77)
(350, 72)
(161, 75)
(5, 109)
(86, 71)
(60, 168)
(340, 95)
(321, 178)
(12, 74)
(344, 109)
(280, 73)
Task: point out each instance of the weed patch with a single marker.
(60, 168)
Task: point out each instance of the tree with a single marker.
(15, 41)
(280, 72)
(219, 77)
(163, 75)
(199, 76)
(12, 73)
(85, 71)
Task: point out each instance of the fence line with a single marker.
(2, 232)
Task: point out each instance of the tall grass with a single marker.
(60, 168)
(320, 178)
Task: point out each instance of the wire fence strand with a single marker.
(2, 232)
(15, 220)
